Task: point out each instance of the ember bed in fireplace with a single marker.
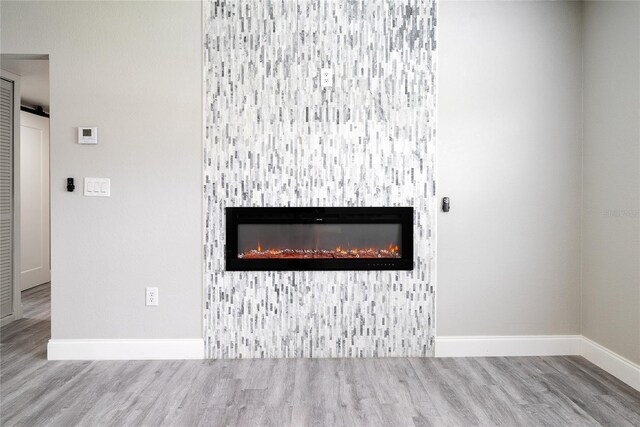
(319, 238)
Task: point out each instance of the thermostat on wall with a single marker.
(87, 136)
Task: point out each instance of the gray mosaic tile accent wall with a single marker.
(274, 137)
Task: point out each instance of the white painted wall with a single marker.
(611, 209)
(509, 156)
(133, 69)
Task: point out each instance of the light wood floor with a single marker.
(526, 391)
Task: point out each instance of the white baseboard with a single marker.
(125, 349)
(541, 345)
(452, 346)
(613, 363)
(523, 345)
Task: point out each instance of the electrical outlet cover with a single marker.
(326, 77)
(151, 297)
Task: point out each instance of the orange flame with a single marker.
(346, 251)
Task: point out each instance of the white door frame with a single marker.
(17, 288)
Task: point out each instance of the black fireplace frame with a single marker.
(316, 215)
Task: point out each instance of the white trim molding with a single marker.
(621, 368)
(540, 345)
(125, 349)
(519, 345)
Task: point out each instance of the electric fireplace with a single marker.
(375, 238)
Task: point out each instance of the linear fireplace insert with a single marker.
(376, 238)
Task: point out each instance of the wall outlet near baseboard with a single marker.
(151, 296)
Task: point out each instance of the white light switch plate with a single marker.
(97, 187)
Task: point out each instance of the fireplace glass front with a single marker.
(319, 238)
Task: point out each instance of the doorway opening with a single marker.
(25, 264)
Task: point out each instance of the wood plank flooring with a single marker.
(510, 391)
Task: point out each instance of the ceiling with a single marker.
(34, 79)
